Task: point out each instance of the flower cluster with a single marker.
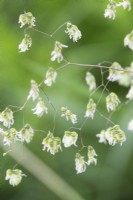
(112, 101)
(90, 81)
(81, 164)
(73, 32)
(34, 91)
(27, 19)
(69, 115)
(57, 52)
(115, 72)
(40, 108)
(110, 11)
(113, 135)
(51, 143)
(26, 133)
(6, 117)
(50, 78)
(14, 176)
(91, 108)
(25, 44)
(70, 138)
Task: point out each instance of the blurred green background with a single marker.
(102, 40)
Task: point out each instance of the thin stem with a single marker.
(57, 29)
(46, 34)
(105, 117)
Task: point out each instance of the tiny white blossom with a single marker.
(69, 115)
(130, 125)
(112, 101)
(113, 135)
(128, 40)
(115, 72)
(102, 137)
(14, 176)
(125, 78)
(10, 136)
(80, 163)
(26, 134)
(6, 117)
(25, 44)
(50, 78)
(110, 12)
(91, 81)
(57, 52)
(40, 108)
(27, 19)
(73, 32)
(91, 108)
(91, 156)
(126, 4)
(34, 91)
(130, 93)
(70, 138)
(51, 143)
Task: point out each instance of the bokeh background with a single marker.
(102, 40)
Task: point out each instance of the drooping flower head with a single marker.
(26, 133)
(126, 4)
(40, 108)
(25, 44)
(130, 93)
(91, 156)
(91, 108)
(112, 101)
(69, 115)
(128, 40)
(115, 72)
(70, 138)
(50, 78)
(110, 11)
(80, 163)
(34, 91)
(27, 19)
(14, 176)
(11, 135)
(57, 52)
(51, 143)
(125, 78)
(6, 117)
(73, 32)
(91, 81)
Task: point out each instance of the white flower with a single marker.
(6, 117)
(112, 101)
(113, 135)
(57, 52)
(40, 108)
(25, 44)
(10, 136)
(34, 92)
(51, 143)
(80, 163)
(69, 115)
(91, 156)
(130, 93)
(70, 138)
(130, 125)
(73, 32)
(115, 72)
(125, 78)
(110, 12)
(102, 137)
(126, 4)
(128, 40)
(27, 19)
(90, 80)
(14, 176)
(50, 78)
(26, 134)
(91, 108)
